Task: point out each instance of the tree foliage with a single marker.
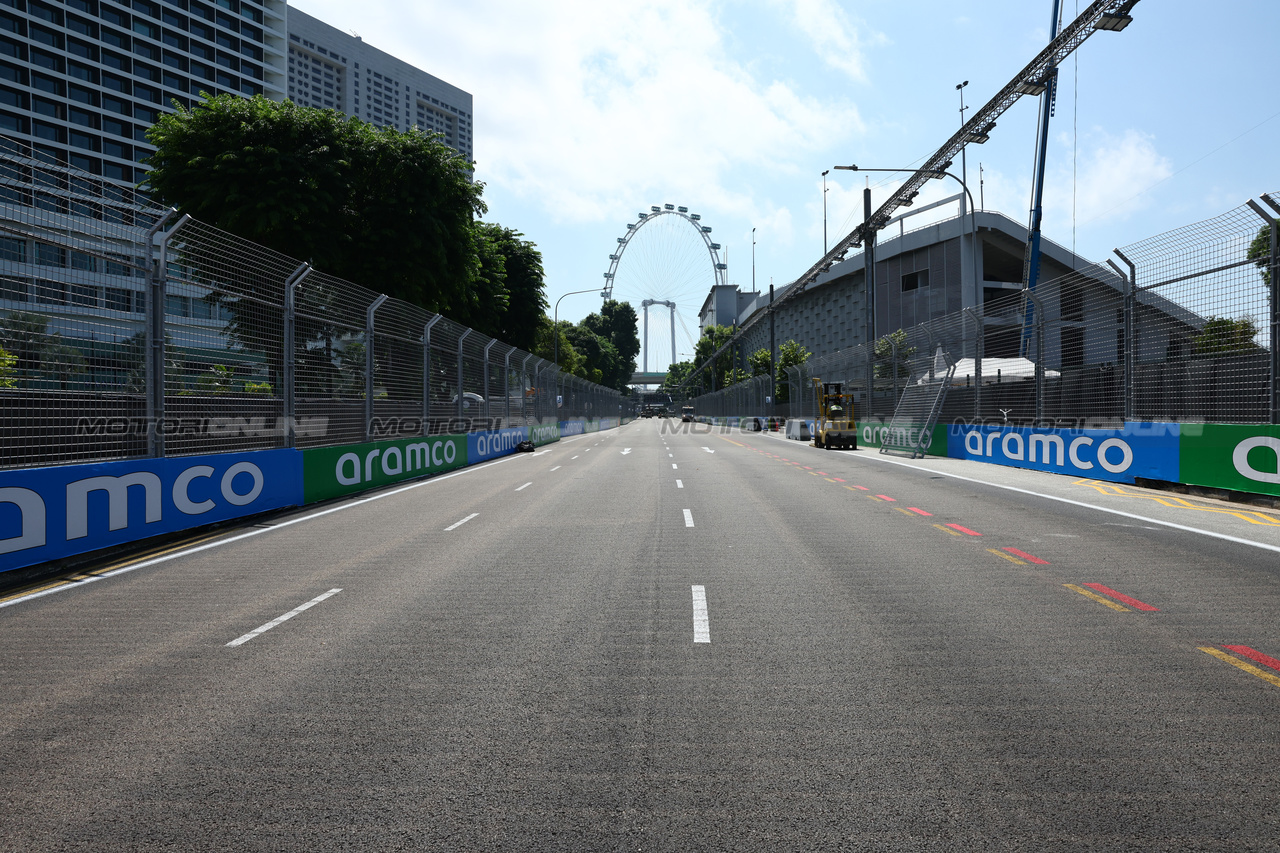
(1260, 253)
(7, 369)
(1226, 336)
(891, 355)
(604, 346)
(790, 354)
(388, 210)
(760, 362)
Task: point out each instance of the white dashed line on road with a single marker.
(525, 486)
(240, 641)
(701, 624)
(679, 484)
(708, 449)
(688, 518)
(557, 468)
(673, 465)
(458, 524)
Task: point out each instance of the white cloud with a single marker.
(836, 39)
(1111, 180)
(581, 106)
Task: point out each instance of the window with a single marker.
(119, 299)
(13, 250)
(915, 280)
(13, 288)
(83, 295)
(1072, 346)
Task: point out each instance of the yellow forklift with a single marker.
(833, 425)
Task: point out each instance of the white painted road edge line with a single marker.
(240, 641)
(1170, 524)
(688, 518)
(458, 524)
(525, 486)
(557, 468)
(701, 624)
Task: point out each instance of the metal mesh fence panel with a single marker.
(127, 331)
(1202, 321)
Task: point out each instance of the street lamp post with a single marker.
(973, 212)
(964, 169)
(824, 212)
(555, 324)
(753, 260)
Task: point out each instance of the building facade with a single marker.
(82, 80)
(330, 69)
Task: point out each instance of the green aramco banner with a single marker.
(329, 472)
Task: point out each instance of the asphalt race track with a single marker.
(665, 638)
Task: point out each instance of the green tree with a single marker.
(790, 354)
(676, 373)
(1226, 336)
(616, 323)
(388, 210)
(713, 339)
(25, 334)
(1260, 253)
(759, 362)
(525, 286)
(890, 361)
(8, 367)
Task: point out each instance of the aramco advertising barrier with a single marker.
(1242, 457)
(50, 513)
(330, 472)
(1149, 450)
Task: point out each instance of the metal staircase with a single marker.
(910, 432)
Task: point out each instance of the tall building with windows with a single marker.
(82, 80)
(335, 70)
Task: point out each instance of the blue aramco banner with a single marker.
(1148, 450)
(494, 443)
(49, 513)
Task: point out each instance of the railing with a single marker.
(133, 332)
(1181, 328)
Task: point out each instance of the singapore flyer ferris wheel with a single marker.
(664, 265)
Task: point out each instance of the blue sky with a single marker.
(588, 112)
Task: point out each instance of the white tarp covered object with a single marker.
(998, 370)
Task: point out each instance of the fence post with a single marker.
(290, 361)
(1130, 319)
(1039, 324)
(368, 365)
(426, 374)
(158, 273)
(487, 347)
(506, 385)
(977, 362)
(1275, 310)
(1272, 309)
(461, 338)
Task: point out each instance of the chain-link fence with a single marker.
(128, 331)
(1180, 327)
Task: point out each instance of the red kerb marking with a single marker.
(822, 474)
(806, 467)
(1028, 557)
(863, 488)
(1255, 655)
(837, 479)
(919, 511)
(964, 529)
(1121, 597)
(884, 497)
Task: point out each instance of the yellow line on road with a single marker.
(1117, 490)
(906, 512)
(1105, 601)
(1239, 664)
(948, 530)
(78, 577)
(1009, 557)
